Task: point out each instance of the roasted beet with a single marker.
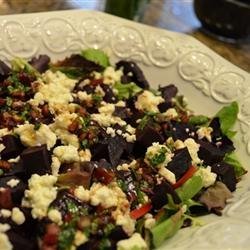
(4, 70)
(122, 112)
(133, 73)
(159, 197)
(109, 94)
(16, 191)
(103, 175)
(168, 92)
(209, 153)
(36, 160)
(40, 63)
(5, 198)
(13, 147)
(180, 163)
(226, 174)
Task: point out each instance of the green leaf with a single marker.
(228, 116)
(66, 237)
(167, 228)
(96, 56)
(70, 72)
(231, 159)
(126, 91)
(19, 64)
(158, 158)
(190, 188)
(198, 120)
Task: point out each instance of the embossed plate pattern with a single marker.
(206, 79)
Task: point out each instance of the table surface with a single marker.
(175, 15)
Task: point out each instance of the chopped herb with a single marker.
(96, 98)
(146, 118)
(1, 172)
(104, 244)
(122, 185)
(66, 236)
(37, 126)
(72, 207)
(108, 229)
(8, 101)
(198, 120)
(127, 90)
(84, 143)
(85, 122)
(159, 158)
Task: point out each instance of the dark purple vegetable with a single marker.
(109, 94)
(118, 234)
(226, 174)
(168, 92)
(36, 160)
(132, 73)
(180, 163)
(159, 197)
(13, 147)
(40, 63)
(209, 153)
(17, 191)
(122, 112)
(4, 70)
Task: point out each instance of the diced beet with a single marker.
(36, 160)
(180, 130)
(164, 106)
(118, 234)
(168, 92)
(16, 169)
(5, 198)
(109, 94)
(226, 174)
(104, 164)
(215, 125)
(78, 61)
(20, 242)
(17, 191)
(40, 63)
(133, 73)
(100, 150)
(4, 70)
(103, 175)
(226, 145)
(209, 153)
(198, 210)
(180, 163)
(148, 135)
(13, 147)
(160, 198)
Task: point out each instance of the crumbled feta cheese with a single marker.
(80, 238)
(60, 128)
(134, 242)
(129, 137)
(40, 194)
(126, 166)
(4, 227)
(111, 76)
(55, 216)
(85, 155)
(99, 91)
(14, 160)
(120, 104)
(84, 96)
(178, 144)
(6, 213)
(130, 129)
(55, 165)
(167, 174)
(97, 75)
(149, 223)
(102, 195)
(208, 177)
(171, 113)
(82, 194)
(147, 101)
(155, 150)
(193, 149)
(13, 183)
(31, 137)
(119, 132)
(110, 131)
(205, 132)
(5, 242)
(66, 153)
(4, 131)
(17, 216)
(105, 117)
(2, 147)
(127, 223)
(54, 88)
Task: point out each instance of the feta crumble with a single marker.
(147, 101)
(82, 194)
(55, 216)
(66, 153)
(17, 216)
(134, 242)
(13, 183)
(205, 132)
(208, 177)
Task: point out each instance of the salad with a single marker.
(93, 158)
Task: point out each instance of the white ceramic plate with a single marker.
(206, 79)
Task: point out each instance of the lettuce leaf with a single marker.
(167, 228)
(231, 159)
(228, 116)
(125, 91)
(96, 56)
(19, 64)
